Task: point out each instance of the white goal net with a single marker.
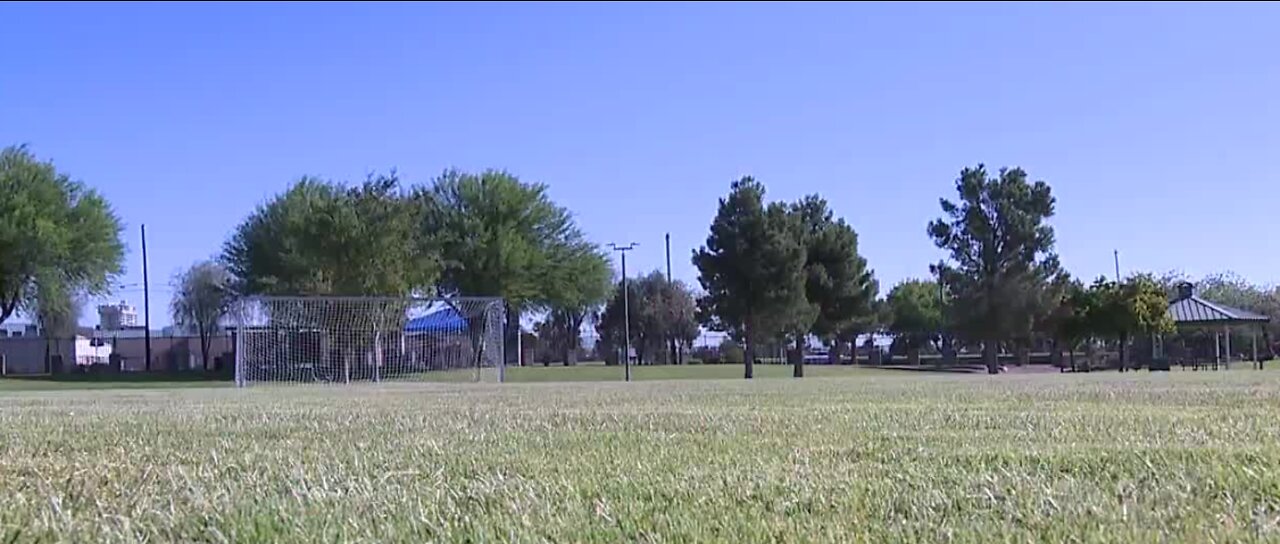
(365, 339)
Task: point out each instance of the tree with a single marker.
(1073, 319)
(839, 288)
(576, 287)
(324, 238)
(1137, 306)
(56, 235)
(659, 310)
(202, 297)
(506, 238)
(327, 238)
(57, 314)
(1001, 253)
(751, 268)
(915, 313)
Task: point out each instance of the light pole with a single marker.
(626, 309)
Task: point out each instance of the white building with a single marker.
(29, 355)
(15, 330)
(114, 317)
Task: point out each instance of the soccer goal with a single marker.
(340, 340)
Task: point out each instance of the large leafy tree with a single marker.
(1001, 254)
(328, 238)
(1136, 306)
(577, 284)
(58, 237)
(839, 288)
(1074, 319)
(202, 296)
(503, 237)
(325, 238)
(659, 311)
(916, 313)
(751, 268)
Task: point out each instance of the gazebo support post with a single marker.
(1217, 349)
(1256, 361)
(1226, 361)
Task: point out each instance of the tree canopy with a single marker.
(751, 267)
(1001, 254)
(58, 237)
(839, 287)
(324, 238)
(202, 297)
(659, 310)
(915, 313)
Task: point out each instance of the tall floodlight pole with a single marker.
(626, 310)
(673, 352)
(1116, 252)
(146, 299)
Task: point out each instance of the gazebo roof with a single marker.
(1189, 308)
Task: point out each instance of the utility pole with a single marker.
(146, 299)
(1117, 255)
(673, 354)
(626, 309)
(668, 257)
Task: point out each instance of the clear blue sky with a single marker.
(1157, 125)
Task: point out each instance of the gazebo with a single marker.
(1189, 311)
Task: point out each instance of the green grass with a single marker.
(1139, 457)
(585, 372)
(599, 372)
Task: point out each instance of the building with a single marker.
(32, 355)
(17, 330)
(114, 317)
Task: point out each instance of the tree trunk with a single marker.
(798, 371)
(204, 350)
(1124, 351)
(749, 354)
(948, 351)
(1072, 356)
(991, 356)
(833, 352)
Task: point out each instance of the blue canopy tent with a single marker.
(444, 320)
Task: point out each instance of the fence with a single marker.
(35, 355)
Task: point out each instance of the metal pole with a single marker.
(626, 310)
(626, 322)
(1116, 252)
(239, 342)
(146, 299)
(668, 238)
(672, 356)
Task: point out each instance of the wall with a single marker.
(169, 352)
(26, 355)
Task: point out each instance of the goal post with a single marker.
(344, 340)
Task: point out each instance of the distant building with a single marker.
(114, 317)
(18, 330)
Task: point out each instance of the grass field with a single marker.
(1185, 456)
(585, 372)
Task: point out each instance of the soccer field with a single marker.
(1192, 456)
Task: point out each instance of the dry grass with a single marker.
(1101, 457)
